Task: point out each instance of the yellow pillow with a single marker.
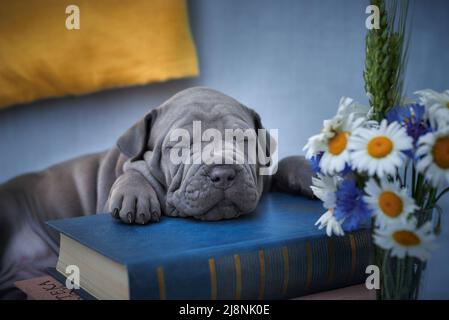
(118, 43)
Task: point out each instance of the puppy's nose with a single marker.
(222, 176)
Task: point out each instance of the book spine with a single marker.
(282, 270)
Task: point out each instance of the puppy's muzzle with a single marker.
(222, 176)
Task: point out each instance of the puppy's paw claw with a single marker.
(115, 213)
(133, 200)
(130, 217)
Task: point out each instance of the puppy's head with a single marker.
(204, 149)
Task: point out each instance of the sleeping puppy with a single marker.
(157, 168)
(209, 190)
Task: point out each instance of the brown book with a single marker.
(357, 292)
(46, 288)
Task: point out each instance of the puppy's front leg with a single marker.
(133, 200)
(294, 175)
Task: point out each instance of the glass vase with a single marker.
(401, 278)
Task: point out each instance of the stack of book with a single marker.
(48, 288)
(274, 253)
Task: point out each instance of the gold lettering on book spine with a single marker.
(309, 264)
(330, 254)
(161, 282)
(262, 274)
(213, 279)
(286, 275)
(238, 277)
(353, 255)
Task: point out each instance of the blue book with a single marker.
(274, 253)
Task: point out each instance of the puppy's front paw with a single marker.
(133, 200)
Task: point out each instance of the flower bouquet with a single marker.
(386, 165)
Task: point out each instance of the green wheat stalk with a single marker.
(385, 62)
(386, 57)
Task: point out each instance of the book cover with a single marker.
(46, 288)
(275, 252)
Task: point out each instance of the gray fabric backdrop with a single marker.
(291, 60)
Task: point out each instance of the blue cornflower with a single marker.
(315, 162)
(412, 117)
(347, 169)
(350, 205)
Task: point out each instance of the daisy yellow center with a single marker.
(380, 147)
(337, 144)
(406, 238)
(390, 204)
(440, 152)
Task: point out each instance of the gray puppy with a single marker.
(137, 182)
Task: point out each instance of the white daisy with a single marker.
(433, 152)
(315, 144)
(318, 142)
(348, 106)
(350, 115)
(404, 238)
(333, 226)
(336, 153)
(324, 188)
(389, 202)
(437, 105)
(379, 150)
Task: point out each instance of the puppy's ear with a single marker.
(269, 142)
(134, 142)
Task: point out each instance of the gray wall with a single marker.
(291, 60)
